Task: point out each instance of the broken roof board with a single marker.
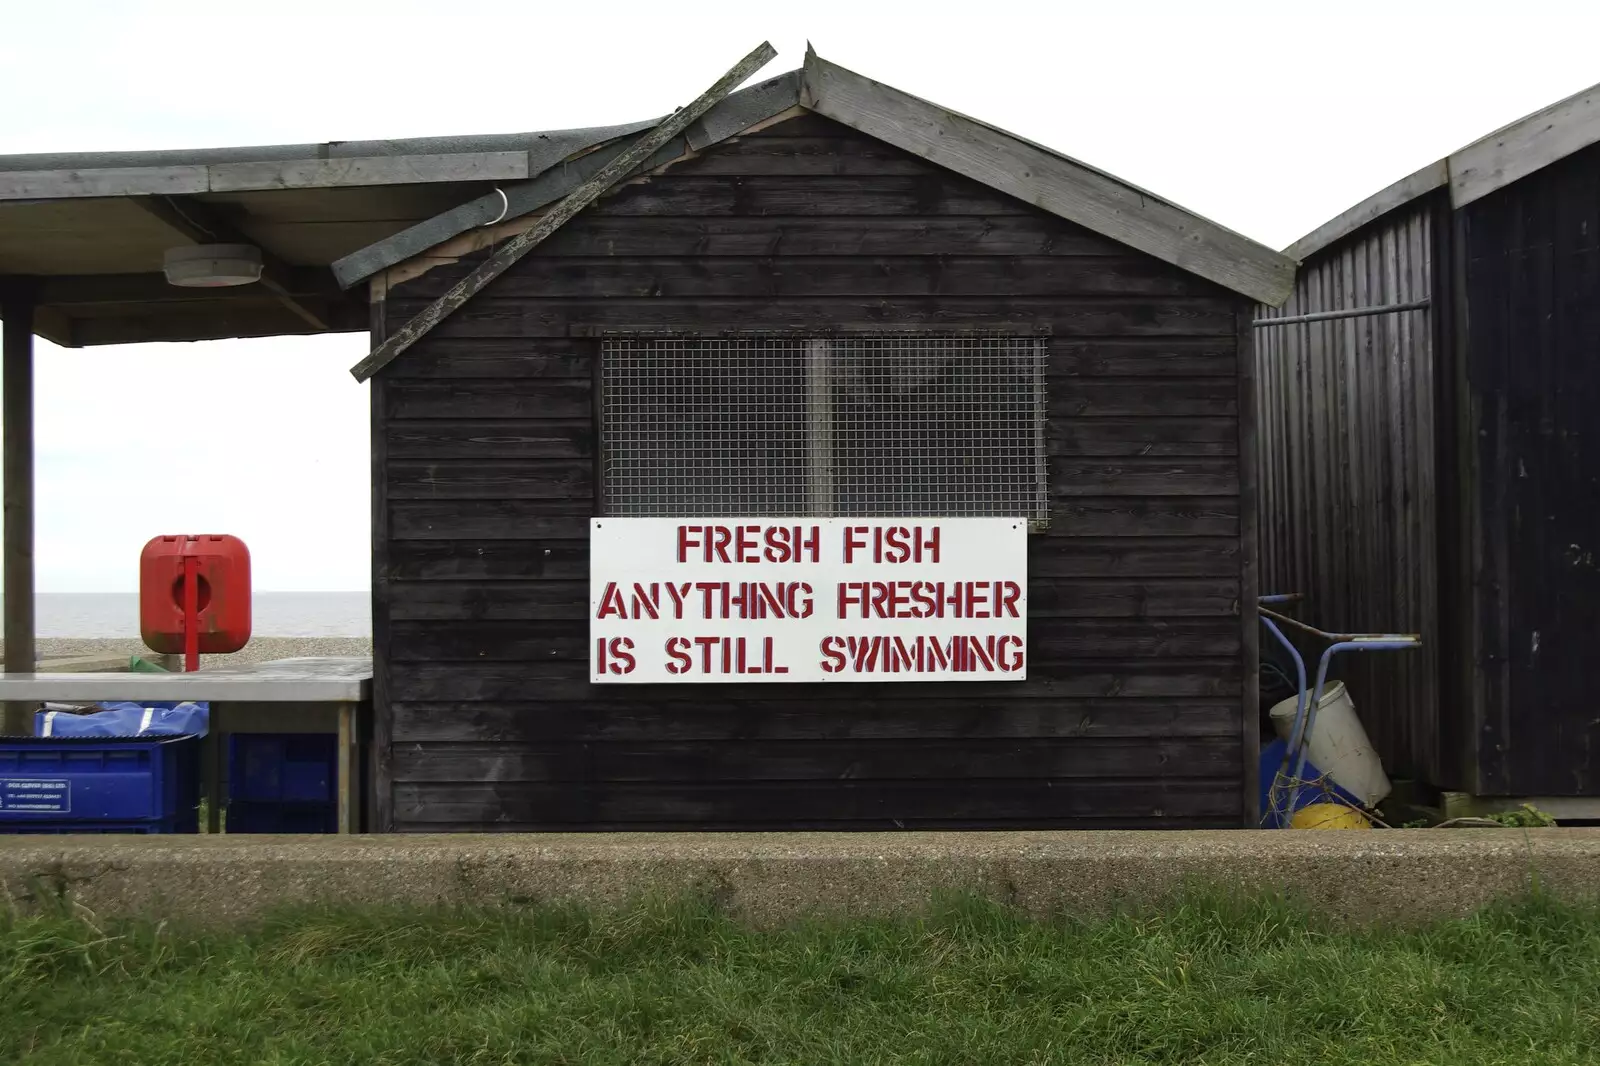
(738, 113)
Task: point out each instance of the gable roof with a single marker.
(1492, 162)
(86, 232)
(991, 156)
(1048, 180)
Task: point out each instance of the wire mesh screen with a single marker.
(902, 424)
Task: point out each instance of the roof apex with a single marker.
(1048, 180)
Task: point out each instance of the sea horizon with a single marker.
(105, 615)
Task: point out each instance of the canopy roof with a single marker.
(89, 229)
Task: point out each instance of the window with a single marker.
(884, 424)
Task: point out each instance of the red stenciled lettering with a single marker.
(928, 545)
(678, 651)
(864, 652)
(977, 602)
(647, 600)
(811, 544)
(769, 659)
(746, 549)
(982, 652)
(749, 544)
(893, 654)
(833, 660)
(1014, 661)
(851, 544)
(706, 644)
(894, 546)
(769, 600)
(903, 654)
(956, 652)
(721, 537)
(677, 593)
(614, 656)
(714, 607)
(1006, 595)
(927, 599)
(779, 546)
(611, 605)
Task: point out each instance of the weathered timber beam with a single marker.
(200, 225)
(199, 321)
(1047, 180)
(1531, 143)
(558, 216)
(739, 112)
(82, 289)
(187, 180)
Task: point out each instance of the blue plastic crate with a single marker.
(165, 825)
(283, 768)
(121, 785)
(247, 817)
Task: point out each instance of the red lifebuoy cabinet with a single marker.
(194, 595)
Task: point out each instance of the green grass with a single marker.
(1199, 982)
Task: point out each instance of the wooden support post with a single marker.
(16, 378)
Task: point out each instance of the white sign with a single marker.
(807, 599)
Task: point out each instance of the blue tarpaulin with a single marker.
(127, 720)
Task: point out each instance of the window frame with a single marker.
(821, 463)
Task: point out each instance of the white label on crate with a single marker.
(33, 794)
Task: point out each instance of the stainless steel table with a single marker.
(282, 696)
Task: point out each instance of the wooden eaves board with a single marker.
(1047, 180)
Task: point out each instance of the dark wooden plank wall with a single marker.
(1131, 713)
(1533, 370)
(1347, 450)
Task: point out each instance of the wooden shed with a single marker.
(1428, 460)
(1081, 354)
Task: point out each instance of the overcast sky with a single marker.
(1267, 117)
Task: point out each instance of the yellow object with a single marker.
(1328, 816)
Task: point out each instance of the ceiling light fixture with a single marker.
(212, 266)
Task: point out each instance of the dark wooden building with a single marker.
(1430, 463)
(820, 205)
